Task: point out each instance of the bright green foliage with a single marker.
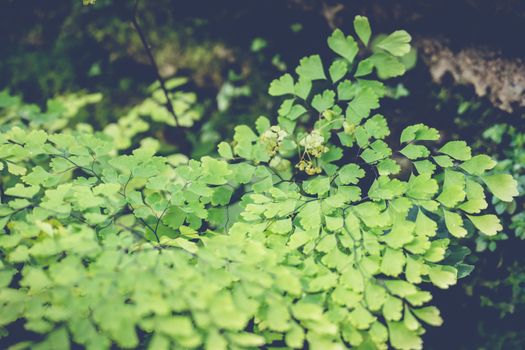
(299, 234)
(397, 43)
(59, 113)
(502, 293)
(153, 110)
(362, 29)
(343, 46)
(147, 116)
(513, 162)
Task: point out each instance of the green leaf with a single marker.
(364, 67)
(338, 70)
(454, 224)
(442, 276)
(453, 189)
(409, 320)
(429, 314)
(412, 151)
(476, 198)
(225, 150)
(361, 105)
(378, 333)
(244, 136)
(457, 150)
(318, 185)
(334, 224)
(375, 296)
(311, 68)
(22, 191)
(502, 186)
(307, 311)
(175, 326)
(388, 167)
(361, 318)
(400, 288)
(437, 250)
(214, 172)
(350, 174)
(345, 90)
(424, 225)
(282, 86)
(422, 186)
(243, 172)
(350, 277)
(393, 308)
(488, 224)
(221, 196)
(343, 46)
(377, 127)
(303, 87)
(393, 262)
(386, 188)
(16, 169)
(477, 165)
(425, 166)
(378, 150)
(419, 132)
(322, 102)
(295, 337)
(400, 235)
(262, 123)
(278, 317)
(362, 137)
(362, 28)
(281, 226)
(413, 270)
(37, 176)
(296, 112)
(443, 161)
(397, 43)
(386, 65)
(247, 339)
(310, 215)
(403, 338)
(59, 339)
(174, 217)
(283, 110)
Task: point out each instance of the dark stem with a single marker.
(147, 47)
(177, 135)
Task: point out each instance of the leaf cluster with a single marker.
(302, 233)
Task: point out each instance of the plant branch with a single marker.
(147, 47)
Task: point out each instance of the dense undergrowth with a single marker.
(318, 230)
(65, 51)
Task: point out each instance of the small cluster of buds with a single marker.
(313, 144)
(314, 147)
(308, 167)
(273, 138)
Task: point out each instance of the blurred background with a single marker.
(466, 77)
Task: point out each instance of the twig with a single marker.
(147, 47)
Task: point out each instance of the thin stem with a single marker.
(147, 47)
(123, 194)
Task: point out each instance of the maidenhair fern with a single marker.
(304, 233)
